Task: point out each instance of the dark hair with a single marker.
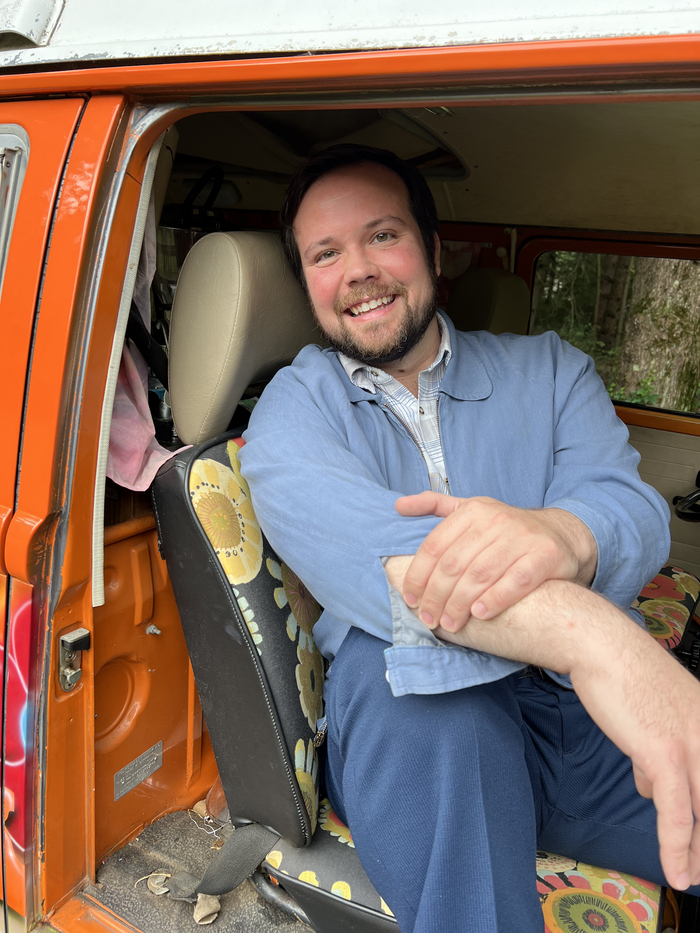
(420, 199)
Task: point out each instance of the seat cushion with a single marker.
(579, 898)
(667, 603)
(575, 897)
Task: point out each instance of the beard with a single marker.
(382, 349)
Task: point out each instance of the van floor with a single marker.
(176, 842)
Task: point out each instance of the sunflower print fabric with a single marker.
(226, 515)
(575, 897)
(276, 610)
(306, 770)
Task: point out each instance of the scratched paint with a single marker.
(88, 31)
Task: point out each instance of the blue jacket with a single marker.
(525, 420)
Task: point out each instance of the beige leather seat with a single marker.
(490, 299)
(239, 315)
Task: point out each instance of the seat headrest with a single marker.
(238, 315)
(490, 299)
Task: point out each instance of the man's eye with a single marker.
(383, 237)
(327, 254)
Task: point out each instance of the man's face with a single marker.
(363, 259)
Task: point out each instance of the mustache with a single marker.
(368, 293)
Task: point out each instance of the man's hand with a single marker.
(486, 555)
(637, 693)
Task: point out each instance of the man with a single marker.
(449, 499)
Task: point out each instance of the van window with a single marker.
(14, 151)
(637, 316)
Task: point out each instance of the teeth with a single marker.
(371, 305)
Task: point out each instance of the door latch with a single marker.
(70, 653)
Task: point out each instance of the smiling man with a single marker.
(461, 504)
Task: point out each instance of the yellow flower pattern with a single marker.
(274, 858)
(330, 822)
(687, 583)
(306, 770)
(342, 889)
(249, 617)
(227, 517)
(309, 675)
(232, 450)
(305, 611)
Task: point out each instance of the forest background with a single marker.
(638, 317)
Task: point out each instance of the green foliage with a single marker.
(567, 289)
(644, 394)
(588, 300)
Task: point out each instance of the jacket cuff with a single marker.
(604, 535)
(418, 662)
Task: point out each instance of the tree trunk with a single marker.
(612, 288)
(660, 350)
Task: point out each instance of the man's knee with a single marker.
(365, 718)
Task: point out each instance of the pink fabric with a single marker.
(134, 455)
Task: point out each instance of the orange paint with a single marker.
(50, 126)
(530, 62)
(81, 757)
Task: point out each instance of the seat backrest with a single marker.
(490, 299)
(248, 620)
(248, 623)
(238, 316)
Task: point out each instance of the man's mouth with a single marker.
(371, 304)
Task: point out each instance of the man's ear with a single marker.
(437, 254)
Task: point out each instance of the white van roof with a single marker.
(34, 32)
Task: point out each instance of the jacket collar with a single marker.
(465, 377)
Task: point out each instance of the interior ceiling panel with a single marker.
(626, 166)
(608, 166)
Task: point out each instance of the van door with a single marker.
(35, 138)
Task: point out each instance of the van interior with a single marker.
(512, 181)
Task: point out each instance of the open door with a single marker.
(35, 138)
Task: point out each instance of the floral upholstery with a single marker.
(278, 609)
(280, 614)
(667, 603)
(575, 897)
(579, 898)
(331, 863)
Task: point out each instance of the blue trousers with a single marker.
(449, 796)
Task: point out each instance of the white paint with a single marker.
(32, 20)
(98, 30)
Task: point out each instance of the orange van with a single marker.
(562, 151)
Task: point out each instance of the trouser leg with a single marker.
(437, 794)
(589, 808)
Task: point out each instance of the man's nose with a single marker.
(360, 267)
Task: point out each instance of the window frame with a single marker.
(535, 245)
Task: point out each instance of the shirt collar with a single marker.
(466, 377)
(368, 377)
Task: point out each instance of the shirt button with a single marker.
(421, 411)
(374, 372)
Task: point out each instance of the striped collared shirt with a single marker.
(418, 415)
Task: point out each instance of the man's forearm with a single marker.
(637, 693)
(551, 627)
